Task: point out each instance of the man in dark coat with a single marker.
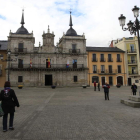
(134, 88)
(9, 101)
(106, 90)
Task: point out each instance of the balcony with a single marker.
(43, 67)
(132, 62)
(110, 59)
(94, 60)
(132, 51)
(21, 50)
(0, 72)
(133, 72)
(118, 60)
(102, 60)
(107, 72)
(74, 51)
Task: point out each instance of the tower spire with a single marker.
(22, 19)
(48, 29)
(70, 20)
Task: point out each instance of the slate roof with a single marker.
(103, 49)
(3, 44)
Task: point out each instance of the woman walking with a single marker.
(9, 101)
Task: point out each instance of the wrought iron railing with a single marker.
(111, 71)
(119, 60)
(132, 61)
(132, 72)
(110, 59)
(52, 66)
(94, 60)
(20, 50)
(132, 51)
(74, 50)
(102, 59)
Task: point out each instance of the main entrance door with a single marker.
(103, 80)
(120, 80)
(129, 81)
(48, 80)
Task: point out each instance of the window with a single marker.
(102, 57)
(109, 58)
(94, 57)
(75, 78)
(74, 63)
(110, 68)
(94, 69)
(20, 78)
(132, 59)
(20, 47)
(20, 63)
(119, 68)
(73, 48)
(118, 58)
(110, 80)
(132, 48)
(102, 68)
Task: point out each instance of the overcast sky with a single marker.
(98, 19)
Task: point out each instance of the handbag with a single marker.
(1, 111)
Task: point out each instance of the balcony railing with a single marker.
(95, 71)
(132, 72)
(111, 71)
(74, 51)
(132, 61)
(131, 51)
(110, 59)
(43, 66)
(119, 60)
(102, 60)
(20, 50)
(94, 60)
(0, 72)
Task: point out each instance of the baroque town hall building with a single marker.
(61, 65)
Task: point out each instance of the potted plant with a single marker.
(118, 85)
(20, 86)
(84, 86)
(53, 86)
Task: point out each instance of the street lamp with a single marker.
(133, 27)
(9, 59)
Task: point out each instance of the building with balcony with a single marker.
(106, 64)
(3, 64)
(130, 46)
(47, 64)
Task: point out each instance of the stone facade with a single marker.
(48, 64)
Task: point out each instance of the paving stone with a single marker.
(73, 114)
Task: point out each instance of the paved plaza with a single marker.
(73, 114)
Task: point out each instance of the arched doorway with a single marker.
(120, 80)
(95, 78)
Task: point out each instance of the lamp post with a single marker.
(8, 60)
(133, 27)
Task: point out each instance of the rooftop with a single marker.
(3, 44)
(103, 49)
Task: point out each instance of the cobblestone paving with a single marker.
(73, 114)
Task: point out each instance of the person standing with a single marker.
(99, 86)
(134, 88)
(9, 101)
(106, 90)
(94, 85)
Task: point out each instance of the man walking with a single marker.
(94, 85)
(106, 90)
(134, 88)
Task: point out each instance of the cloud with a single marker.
(97, 19)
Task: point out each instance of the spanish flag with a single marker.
(30, 63)
(49, 63)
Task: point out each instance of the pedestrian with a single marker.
(94, 85)
(134, 88)
(106, 90)
(99, 86)
(9, 101)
